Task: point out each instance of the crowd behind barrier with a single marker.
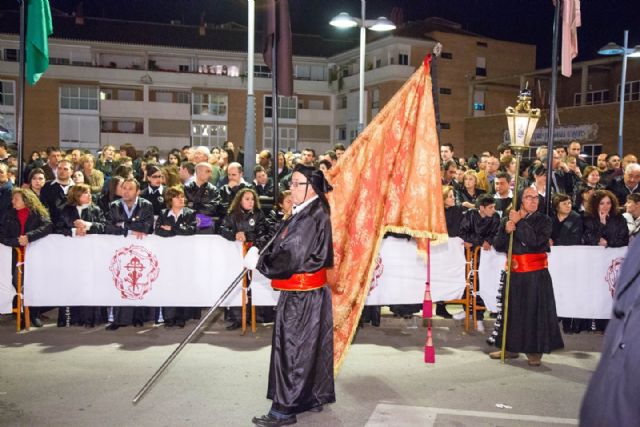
(198, 191)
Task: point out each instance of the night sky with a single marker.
(528, 21)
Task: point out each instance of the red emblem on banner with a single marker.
(377, 273)
(134, 269)
(611, 276)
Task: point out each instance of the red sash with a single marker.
(301, 282)
(526, 263)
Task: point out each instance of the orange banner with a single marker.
(388, 180)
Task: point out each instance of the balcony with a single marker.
(315, 117)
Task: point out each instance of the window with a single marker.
(261, 71)
(170, 97)
(183, 68)
(287, 107)
(210, 135)
(377, 63)
(445, 91)
(122, 126)
(79, 98)
(288, 137)
(481, 66)
(445, 125)
(593, 97)
(478, 102)
(342, 102)
(375, 99)
(79, 131)
(59, 61)
(182, 97)
(403, 59)
(210, 104)
(341, 133)
(126, 95)
(7, 94)
(446, 55)
(11, 55)
(591, 152)
(302, 72)
(482, 44)
(631, 91)
(8, 122)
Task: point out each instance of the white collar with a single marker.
(299, 208)
(509, 196)
(174, 215)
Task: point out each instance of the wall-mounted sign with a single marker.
(561, 134)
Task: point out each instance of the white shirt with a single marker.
(80, 208)
(298, 208)
(174, 215)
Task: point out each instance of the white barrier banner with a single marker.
(400, 274)
(113, 270)
(7, 291)
(583, 279)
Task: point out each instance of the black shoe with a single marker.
(36, 323)
(316, 409)
(169, 323)
(112, 327)
(233, 327)
(180, 323)
(141, 324)
(442, 312)
(269, 421)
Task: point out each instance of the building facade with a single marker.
(170, 85)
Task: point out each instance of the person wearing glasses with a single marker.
(155, 190)
(301, 370)
(532, 326)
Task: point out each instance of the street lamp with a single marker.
(344, 20)
(613, 49)
(522, 121)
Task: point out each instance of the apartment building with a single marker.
(170, 85)
(588, 108)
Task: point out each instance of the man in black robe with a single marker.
(532, 326)
(301, 370)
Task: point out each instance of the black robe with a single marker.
(615, 231)
(155, 196)
(204, 200)
(532, 321)
(567, 232)
(301, 370)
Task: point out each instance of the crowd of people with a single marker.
(197, 190)
(194, 191)
(590, 204)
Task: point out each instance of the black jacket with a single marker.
(5, 198)
(615, 231)
(453, 216)
(462, 195)
(252, 223)
(35, 228)
(54, 199)
(476, 230)
(568, 232)
(156, 198)
(204, 199)
(530, 237)
(185, 225)
(141, 219)
(69, 214)
(618, 187)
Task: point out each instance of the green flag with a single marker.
(39, 27)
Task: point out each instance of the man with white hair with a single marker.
(627, 184)
(203, 198)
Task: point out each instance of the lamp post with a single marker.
(522, 121)
(613, 49)
(344, 20)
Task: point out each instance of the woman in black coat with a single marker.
(245, 223)
(176, 220)
(78, 218)
(280, 212)
(604, 226)
(25, 222)
(567, 231)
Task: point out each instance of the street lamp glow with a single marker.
(344, 20)
(382, 24)
(611, 49)
(635, 53)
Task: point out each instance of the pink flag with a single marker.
(570, 23)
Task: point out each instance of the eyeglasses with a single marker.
(295, 184)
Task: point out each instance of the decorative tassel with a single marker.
(429, 349)
(427, 304)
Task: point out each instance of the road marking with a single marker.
(400, 415)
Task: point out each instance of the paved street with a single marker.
(87, 377)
